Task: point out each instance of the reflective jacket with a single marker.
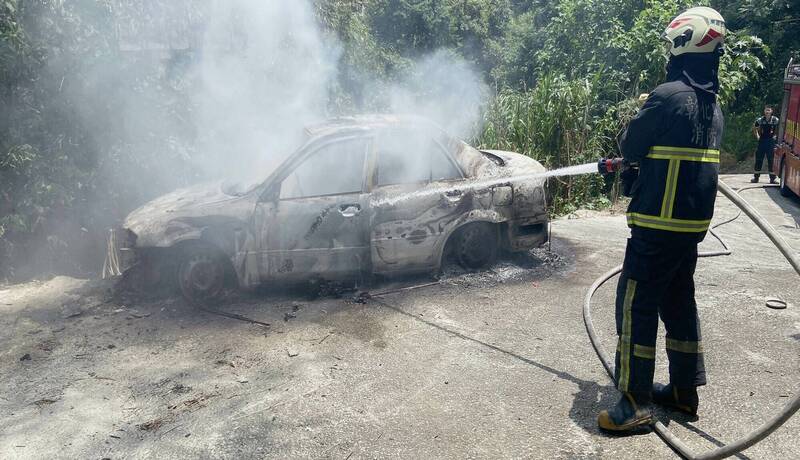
(675, 138)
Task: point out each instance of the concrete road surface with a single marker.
(482, 365)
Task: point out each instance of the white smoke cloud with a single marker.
(265, 72)
(223, 89)
(444, 88)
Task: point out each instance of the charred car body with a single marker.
(368, 195)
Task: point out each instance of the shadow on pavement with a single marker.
(790, 205)
(588, 399)
(684, 421)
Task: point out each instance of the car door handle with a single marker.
(350, 210)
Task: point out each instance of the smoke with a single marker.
(256, 73)
(445, 89)
(265, 72)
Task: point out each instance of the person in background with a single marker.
(766, 131)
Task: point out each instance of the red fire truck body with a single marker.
(787, 152)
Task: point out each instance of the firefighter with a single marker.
(675, 139)
(766, 131)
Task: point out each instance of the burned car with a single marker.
(372, 195)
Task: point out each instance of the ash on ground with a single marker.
(537, 263)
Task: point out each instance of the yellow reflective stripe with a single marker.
(688, 150)
(644, 352)
(669, 191)
(625, 337)
(667, 156)
(683, 153)
(669, 224)
(684, 346)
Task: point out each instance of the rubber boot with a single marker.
(629, 415)
(681, 399)
(754, 180)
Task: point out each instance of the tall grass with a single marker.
(559, 122)
(738, 142)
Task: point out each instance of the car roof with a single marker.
(365, 123)
(468, 159)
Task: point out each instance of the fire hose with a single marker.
(770, 425)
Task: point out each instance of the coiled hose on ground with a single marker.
(788, 410)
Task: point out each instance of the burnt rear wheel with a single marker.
(201, 274)
(476, 245)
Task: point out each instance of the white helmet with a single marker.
(696, 30)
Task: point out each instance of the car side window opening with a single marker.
(406, 157)
(335, 169)
(442, 168)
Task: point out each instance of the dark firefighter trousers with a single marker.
(658, 280)
(765, 149)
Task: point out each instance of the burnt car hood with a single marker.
(512, 163)
(185, 213)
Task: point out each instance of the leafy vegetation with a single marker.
(565, 76)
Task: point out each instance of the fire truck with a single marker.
(787, 152)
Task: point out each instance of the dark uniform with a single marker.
(767, 130)
(675, 138)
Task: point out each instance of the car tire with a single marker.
(476, 246)
(201, 274)
(784, 188)
(152, 276)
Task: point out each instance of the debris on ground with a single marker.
(151, 425)
(185, 406)
(180, 388)
(45, 402)
(133, 314)
(525, 266)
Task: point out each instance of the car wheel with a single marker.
(785, 190)
(476, 246)
(152, 276)
(201, 274)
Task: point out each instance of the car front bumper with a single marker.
(120, 253)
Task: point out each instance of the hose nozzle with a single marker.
(608, 166)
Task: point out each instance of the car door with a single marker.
(413, 200)
(316, 223)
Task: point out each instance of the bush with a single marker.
(738, 139)
(559, 123)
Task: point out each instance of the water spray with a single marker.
(604, 166)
